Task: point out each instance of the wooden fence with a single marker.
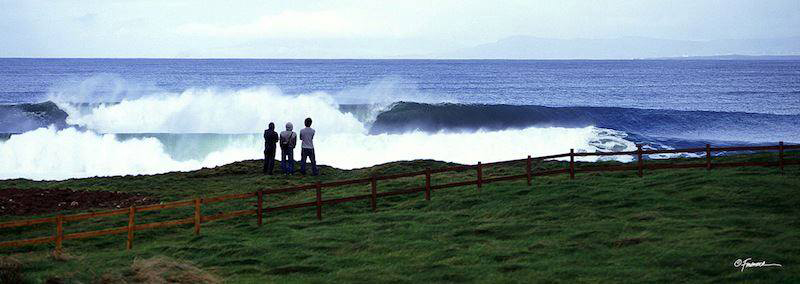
(59, 220)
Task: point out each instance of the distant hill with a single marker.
(734, 57)
(527, 47)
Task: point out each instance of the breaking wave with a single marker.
(693, 125)
(203, 128)
(211, 111)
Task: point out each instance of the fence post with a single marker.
(780, 155)
(428, 184)
(480, 175)
(319, 201)
(708, 157)
(131, 224)
(59, 233)
(571, 163)
(639, 160)
(197, 217)
(372, 201)
(260, 200)
(528, 170)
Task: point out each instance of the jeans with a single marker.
(306, 152)
(269, 161)
(287, 161)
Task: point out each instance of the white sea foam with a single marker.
(50, 154)
(341, 140)
(352, 151)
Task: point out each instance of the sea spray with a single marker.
(213, 111)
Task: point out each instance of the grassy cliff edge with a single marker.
(671, 225)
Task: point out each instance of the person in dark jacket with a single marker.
(270, 141)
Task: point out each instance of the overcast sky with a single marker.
(362, 29)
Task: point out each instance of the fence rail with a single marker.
(197, 219)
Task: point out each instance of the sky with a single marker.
(363, 29)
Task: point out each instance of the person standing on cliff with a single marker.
(307, 148)
(288, 141)
(270, 141)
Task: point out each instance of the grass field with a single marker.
(669, 226)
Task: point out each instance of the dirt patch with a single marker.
(41, 201)
(162, 269)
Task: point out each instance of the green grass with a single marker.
(669, 226)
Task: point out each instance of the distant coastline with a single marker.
(531, 47)
(731, 57)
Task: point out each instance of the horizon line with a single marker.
(693, 57)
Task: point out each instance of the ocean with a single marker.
(70, 118)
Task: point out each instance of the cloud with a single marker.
(87, 19)
(288, 24)
(362, 28)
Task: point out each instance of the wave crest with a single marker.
(212, 111)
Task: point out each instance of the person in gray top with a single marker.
(288, 141)
(307, 148)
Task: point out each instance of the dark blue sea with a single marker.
(64, 118)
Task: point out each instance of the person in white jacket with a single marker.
(307, 148)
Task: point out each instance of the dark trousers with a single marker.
(308, 153)
(287, 161)
(269, 161)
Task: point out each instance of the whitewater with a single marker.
(101, 142)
